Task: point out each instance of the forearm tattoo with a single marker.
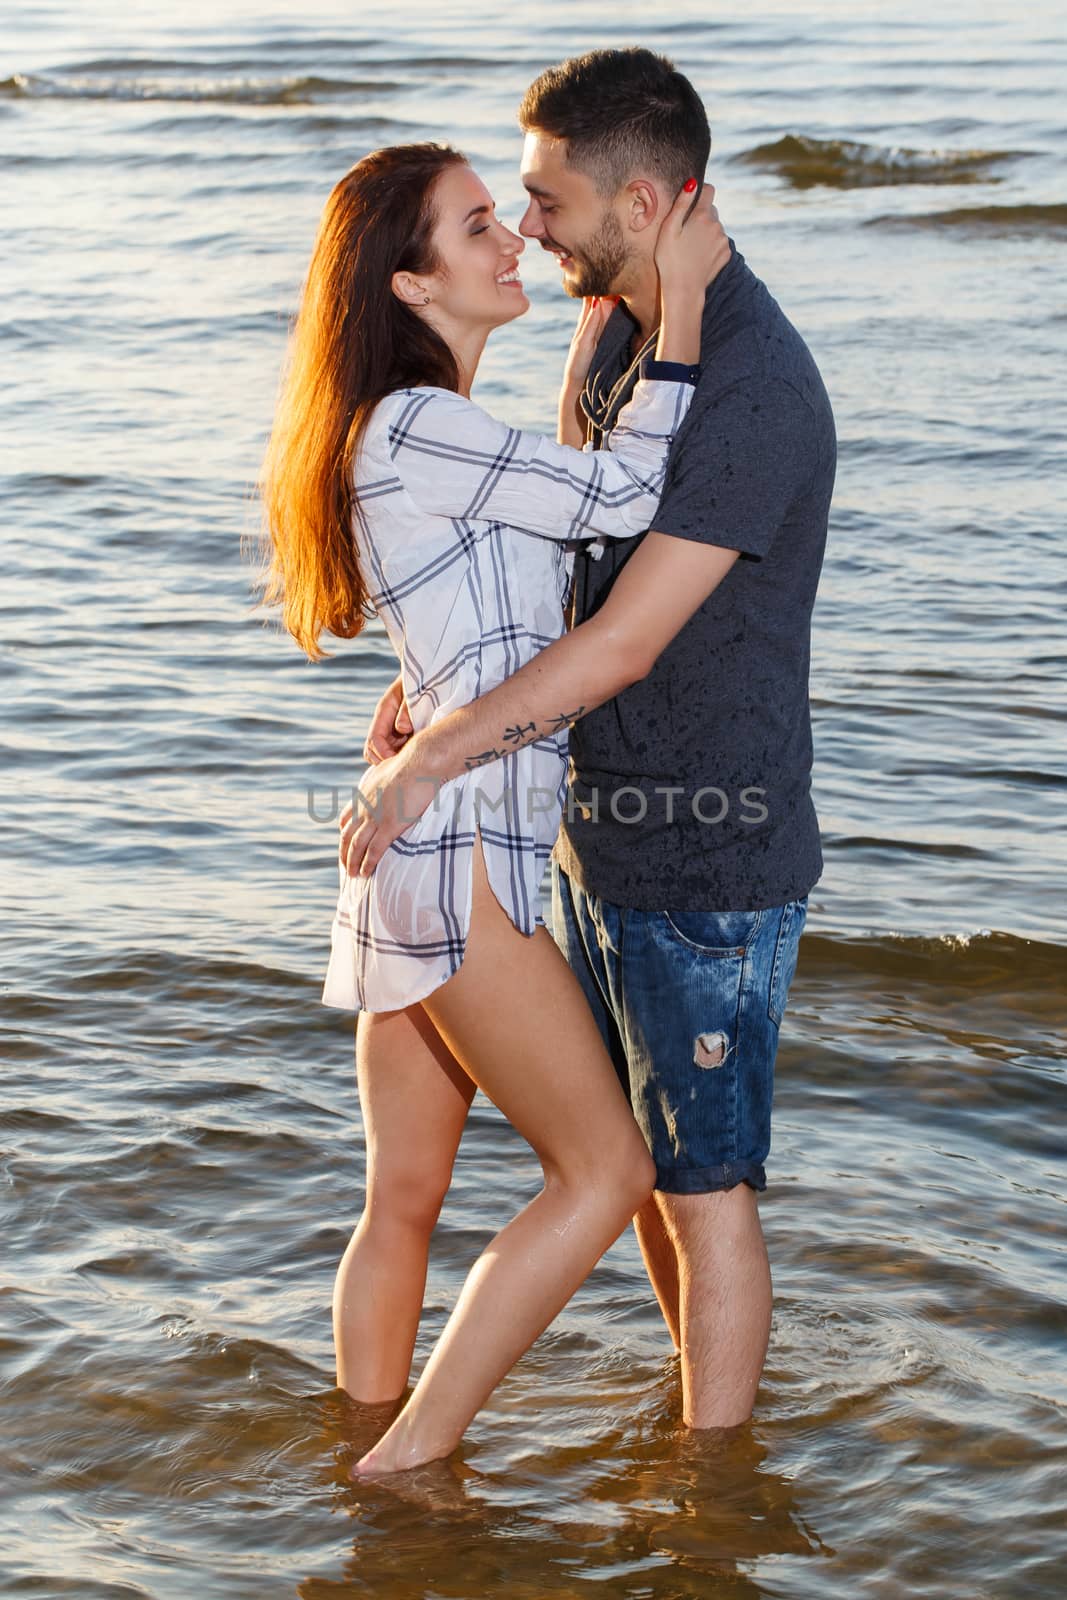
(484, 759)
(523, 733)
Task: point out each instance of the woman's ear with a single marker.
(409, 289)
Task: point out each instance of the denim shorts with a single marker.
(689, 1004)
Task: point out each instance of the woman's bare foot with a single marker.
(440, 1488)
(390, 1455)
(400, 1449)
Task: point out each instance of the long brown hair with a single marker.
(353, 343)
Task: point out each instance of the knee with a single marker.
(643, 1177)
(405, 1198)
(721, 1222)
(630, 1176)
(618, 1180)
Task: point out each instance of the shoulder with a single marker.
(748, 339)
(421, 400)
(751, 397)
(758, 424)
(417, 417)
(762, 367)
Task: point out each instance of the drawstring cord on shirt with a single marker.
(600, 408)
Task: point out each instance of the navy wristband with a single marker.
(669, 371)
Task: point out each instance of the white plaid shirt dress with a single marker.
(461, 526)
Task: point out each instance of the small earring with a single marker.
(426, 301)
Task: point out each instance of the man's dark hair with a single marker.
(621, 113)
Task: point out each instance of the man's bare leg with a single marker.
(724, 1300)
(661, 1264)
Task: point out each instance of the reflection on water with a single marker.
(668, 1504)
(179, 1138)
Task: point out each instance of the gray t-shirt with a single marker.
(691, 789)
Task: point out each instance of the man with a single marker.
(690, 842)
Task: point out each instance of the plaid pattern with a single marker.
(463, 526)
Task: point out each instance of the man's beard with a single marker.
(602, 259)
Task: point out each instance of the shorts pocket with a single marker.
(713, 933)
(794, 915)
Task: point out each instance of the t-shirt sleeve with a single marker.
(455, 460)
(742, 460)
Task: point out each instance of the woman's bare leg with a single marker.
(515, 1017)
(414, 1096)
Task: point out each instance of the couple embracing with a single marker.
(603, 644)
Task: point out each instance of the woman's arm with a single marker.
(595, 662)
(457, 461)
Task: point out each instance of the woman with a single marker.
(385, 487)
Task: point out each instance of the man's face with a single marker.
(568, 217)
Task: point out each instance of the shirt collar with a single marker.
(613, 351)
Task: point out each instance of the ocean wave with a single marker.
(439, 63)
(950, 851)
(972, 960)
(275, 55)
(258, 126)
(252, 57)
(849, 164)
(985, 958)
(209, 88)
(991, 219)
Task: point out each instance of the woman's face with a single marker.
(477, 282)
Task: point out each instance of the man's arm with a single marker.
(665, 581)
(654, 596)
(757, 455)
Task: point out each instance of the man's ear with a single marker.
(409, 289)
(644, 205)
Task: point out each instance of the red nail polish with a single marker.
(689, 185)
